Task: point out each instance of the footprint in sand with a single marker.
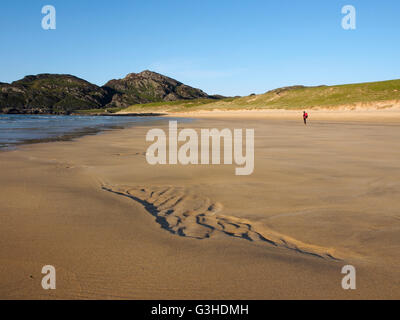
(190, 215)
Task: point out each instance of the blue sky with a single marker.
(227, 47)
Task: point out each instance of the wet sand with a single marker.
(321, 197)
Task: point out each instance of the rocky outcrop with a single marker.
(148, 86)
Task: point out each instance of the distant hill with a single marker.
(384, 93)
(64, 94)
(51, 93)
(299, 97)
(147, 86)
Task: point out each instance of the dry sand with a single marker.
(321, 197)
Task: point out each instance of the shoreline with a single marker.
(130, 114)
(346, 113)
(367, 115)
(80, 132)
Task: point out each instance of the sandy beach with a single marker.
(321, 197)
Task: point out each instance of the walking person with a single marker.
(305, 117)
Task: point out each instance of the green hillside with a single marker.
(297, 97)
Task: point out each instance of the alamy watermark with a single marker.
(49, 20)
(349, 20)
(49, 280)
(191, 153)
(349, 281)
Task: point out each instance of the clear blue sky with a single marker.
(228, 47)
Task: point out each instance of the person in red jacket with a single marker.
(305, 117)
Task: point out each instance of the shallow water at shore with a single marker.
(22, 129)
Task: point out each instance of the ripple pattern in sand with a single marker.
(190, 215)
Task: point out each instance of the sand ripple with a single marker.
(190, 215)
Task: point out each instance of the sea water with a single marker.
(20, 129)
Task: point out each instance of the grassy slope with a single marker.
(288, 98)
(325, 96)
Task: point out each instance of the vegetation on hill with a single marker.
(64, 94)
(147, 87)
(50, 93)
(296, 97)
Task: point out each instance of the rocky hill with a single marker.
(63, 94)
(147, 86)
(51, 93)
